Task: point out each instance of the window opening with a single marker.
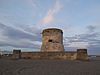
(50, 40)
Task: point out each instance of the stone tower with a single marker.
(82, 54)
(16, 54)
(52, 40)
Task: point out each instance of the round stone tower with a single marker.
(52, 40)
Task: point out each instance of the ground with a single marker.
(49, 67)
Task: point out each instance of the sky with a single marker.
(22, 21)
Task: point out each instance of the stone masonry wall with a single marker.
(52, 40)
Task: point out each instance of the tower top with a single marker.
(50, 29)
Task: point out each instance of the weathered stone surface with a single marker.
(16, 54)
(82, 54)
(49, 55)
(52, 40)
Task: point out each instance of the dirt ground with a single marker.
(49, 67)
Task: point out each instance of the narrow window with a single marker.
(50, 40)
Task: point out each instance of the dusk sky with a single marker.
(22, 21)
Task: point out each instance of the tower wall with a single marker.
(82, 54)
(16, 54)
(52, 40)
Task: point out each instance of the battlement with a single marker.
(67, 55)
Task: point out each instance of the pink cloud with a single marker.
(49, 18)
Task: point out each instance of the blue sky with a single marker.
(22, 21)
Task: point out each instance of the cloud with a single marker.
(91, 28)
(89, 40)
(75, 42)
(14, 37)
(49, 18)
(79, 44)
(82, 39)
